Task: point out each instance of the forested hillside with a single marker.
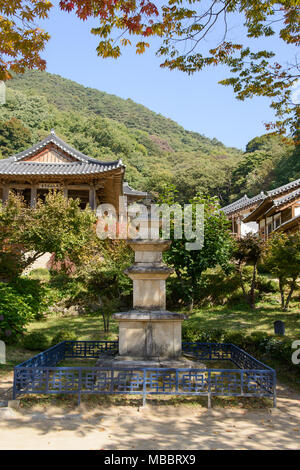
(156, 150)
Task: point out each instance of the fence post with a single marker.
(14, 394)
(144, 387)
(209, 390)
(79, 387)
(274, 391)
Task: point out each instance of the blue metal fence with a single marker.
(40, 375)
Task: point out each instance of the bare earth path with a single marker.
(154, 427)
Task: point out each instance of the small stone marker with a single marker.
(2, 353)
(279, 328)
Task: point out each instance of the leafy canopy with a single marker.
(21, 41)
(185, 29)
(217, 244)
(282, 257)
(56, 226)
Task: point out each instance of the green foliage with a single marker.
(216, 250)
(20, 302)
(192, 334)
(36, 341)
(102, 272)
(248, 250)
(64, 335)
(57, 226)
(188, 43)
(218, 288)
(283, 259)
(14, 137)
(258, 342)
(156, 150)
(103, 126)
(269, 161)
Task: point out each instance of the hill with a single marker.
(156, 150)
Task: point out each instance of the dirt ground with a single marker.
(153, 427)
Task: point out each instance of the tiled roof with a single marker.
(282, 200)
(243, 203)
(129, 191)
(34, 168)
(16, 165)
(284, 188)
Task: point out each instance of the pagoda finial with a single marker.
(52, 131)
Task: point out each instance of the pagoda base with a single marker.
(125, 362)
(149, 335)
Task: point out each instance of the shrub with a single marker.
(277, 348)
(36, 341)
(63, 335)
(236, 337)
(193, 334)
(215, 287)
(265, 285)
(16, 310)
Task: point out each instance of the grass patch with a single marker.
(87, 328)
(240, 317)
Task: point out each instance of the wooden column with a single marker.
(5, 193)
(92, 197)
(33, 195)
(65, 191)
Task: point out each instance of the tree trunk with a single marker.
(190, 305)
(242, 283)
(281, 288)
(253, 284)
(293, 286)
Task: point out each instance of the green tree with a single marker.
(14, 137)
(283, 259)
(101, 271)
(249, 250)
(21, 39)
(216, 250)
(57, 226)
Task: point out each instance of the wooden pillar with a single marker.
(65, 190)
(92, 197)
(5, 193)
(239, 222)
(33, 195)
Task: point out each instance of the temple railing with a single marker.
(40, 375)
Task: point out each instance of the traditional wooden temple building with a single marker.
(275, 210)
(53, 164)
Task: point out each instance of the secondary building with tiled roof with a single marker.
(274, 210)
(279, 211)
(54, 164)
(238, 210)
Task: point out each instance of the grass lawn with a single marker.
(86, 327)
(240, 317)
(237, 317)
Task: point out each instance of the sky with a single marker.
(197, 102)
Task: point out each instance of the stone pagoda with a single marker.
(149, 331)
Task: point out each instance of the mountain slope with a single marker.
(156, 150)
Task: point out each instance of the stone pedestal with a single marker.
(149, 331)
